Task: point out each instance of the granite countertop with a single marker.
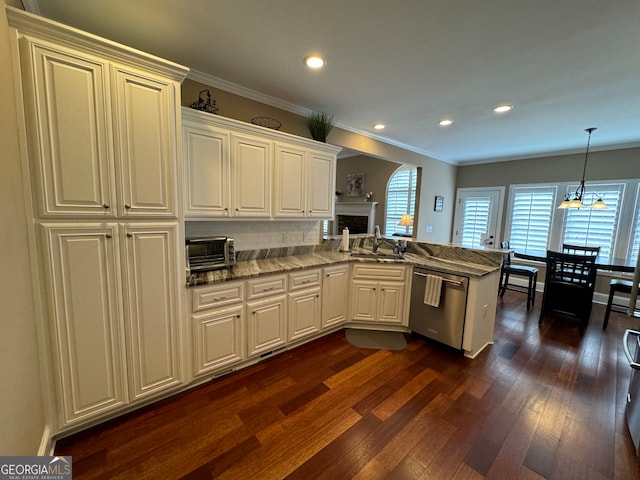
(288, 262)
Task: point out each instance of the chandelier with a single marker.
(574, 200)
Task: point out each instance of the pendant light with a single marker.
(575, 199)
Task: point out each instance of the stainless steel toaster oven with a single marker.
(209, 253)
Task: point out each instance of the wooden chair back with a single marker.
(578, 269)
(580, 250)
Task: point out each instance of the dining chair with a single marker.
(580, 249)
(616, 285)
(508, 270)
(568, 286)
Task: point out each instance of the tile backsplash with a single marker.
(256, 235)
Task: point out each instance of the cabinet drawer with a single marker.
(304, 279)
(215, 296)
(379, 271)
(265, 286)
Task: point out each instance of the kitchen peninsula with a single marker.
(281, 298)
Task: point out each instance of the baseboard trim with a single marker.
(47, 443)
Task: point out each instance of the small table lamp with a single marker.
(406, 221)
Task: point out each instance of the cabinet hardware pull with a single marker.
(237, 315)
(127, 206)
(129, 234)
(108, 235)
(219, 299)
(105, 206)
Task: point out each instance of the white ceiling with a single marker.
(565, 65)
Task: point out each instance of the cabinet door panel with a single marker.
(218, 339)
(266, 324)
(151, 312)
(363, 300)
(321, 186)
(86, 313)
(304, 313)
(391, 302)
(72, 153)
(146, 144)
(251, 160)
(290, 184)
(207, 176)
(335, 289)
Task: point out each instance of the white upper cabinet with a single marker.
(207, 170)
(145, 138)
(236, 169)
(290, 181)
(304, 183)
(71, 111)
(102, 136)
(252, 159)
(321, 172)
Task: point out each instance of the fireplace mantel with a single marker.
(356, 209)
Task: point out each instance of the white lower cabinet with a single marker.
(304, 304)
(266, 314)
(114, 302)
(218, 339)
(151, 307)
(379, 294)
(335, 295)
(218, 327)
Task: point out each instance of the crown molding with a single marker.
(245, 92)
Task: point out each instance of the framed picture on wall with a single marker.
(439, 203)
(355, 184)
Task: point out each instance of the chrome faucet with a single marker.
(377, 240)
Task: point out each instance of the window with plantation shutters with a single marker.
(475, 222)
(595, 227)
(400, 199)
(635, 243)
(531, 216)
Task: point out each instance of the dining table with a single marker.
(614, 264)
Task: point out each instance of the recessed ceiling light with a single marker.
(502, 108)
(314, 61)
(445, 123)
(379, 126)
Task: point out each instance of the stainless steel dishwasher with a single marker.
(444, 323)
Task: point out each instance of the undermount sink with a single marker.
(374, 255)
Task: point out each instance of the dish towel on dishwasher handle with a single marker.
(433, 290)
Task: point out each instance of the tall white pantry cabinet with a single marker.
(101, 125)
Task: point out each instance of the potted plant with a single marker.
(319, 125)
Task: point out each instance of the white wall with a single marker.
(21, 407)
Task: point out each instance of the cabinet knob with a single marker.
(129, 234)
(105, 206)
(237, 315)
(127, 206)
(108, 235)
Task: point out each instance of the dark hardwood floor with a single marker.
(542, 402)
